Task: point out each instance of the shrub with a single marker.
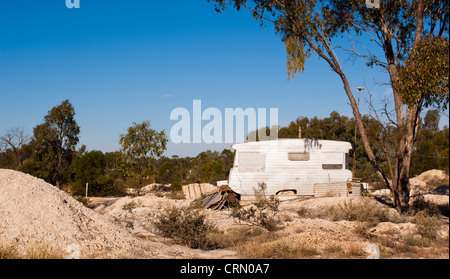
(175, 195)
(130, 206)
(304, 212)
(185, 225)
(427, 226)
(175, 186)
(279, 249)
(102, 186)
(361, 212)
(235, 237)
(419, 204)
(175, 191)
(260, 214)
(416, 240)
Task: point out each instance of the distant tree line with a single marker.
(431, 150)
(52, 153)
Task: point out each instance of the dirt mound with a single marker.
(429, 176)
(37, 214)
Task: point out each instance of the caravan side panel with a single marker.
(288, 165)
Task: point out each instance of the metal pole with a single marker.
(87, 185)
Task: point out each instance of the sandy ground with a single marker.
(37, 215)
(34, 213)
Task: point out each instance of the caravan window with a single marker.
(346, 161)
(251, 162)
(331, 166)
(332, 161)
(298, 156)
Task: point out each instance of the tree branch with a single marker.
(376, 61)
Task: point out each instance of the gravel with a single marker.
(35, 214)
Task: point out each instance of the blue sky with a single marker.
(124, 61)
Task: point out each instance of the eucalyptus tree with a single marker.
(54, 142)
(139, 145)
(15, 139)
(406, 33)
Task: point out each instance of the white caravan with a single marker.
(306, 167)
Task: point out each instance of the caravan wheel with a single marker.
(286, 193)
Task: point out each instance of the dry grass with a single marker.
(427, 226)
(42, 251)
(338, 251)
(423, 242)
(278, 249)
(365, 210)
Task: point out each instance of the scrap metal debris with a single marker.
(217, 200)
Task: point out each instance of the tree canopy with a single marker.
(405, 33)
(54, 142)
(140, 143)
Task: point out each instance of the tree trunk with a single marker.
(335, 66)
(362, 131)
(400, 183)
(59, 166)
(406, 140)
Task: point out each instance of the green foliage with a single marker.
(175, 186)
(362, 211)
(174, 169)
(424, 76)
(208, 166)
(90, 167)
(432, 146)
(186, 226)
(138, 145)
(15, 141)
(342, 128)
(427, 226)
(7, 159)
(296, 56)
(406, 39)
(262, 213)
(54, 143)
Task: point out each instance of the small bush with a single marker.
(416, 240)
(304, 212)
(362, 228)
(260, 214)
(419, 204)
(175, 195)
(175, 186)
(102, 186)
(338, 251)
(83, 200)
(279, 249)
(186, 226)
(130, 206)
(236, 237)
(427, 226)
(361, 212)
